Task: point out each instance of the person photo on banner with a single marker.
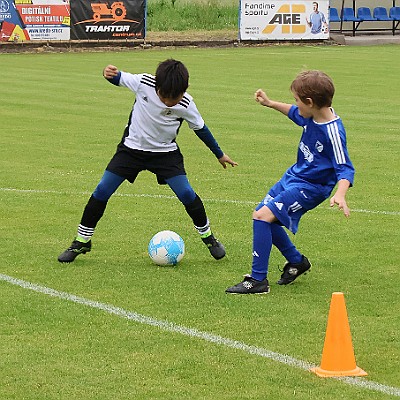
(317, 21)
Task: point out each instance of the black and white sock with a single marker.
(84, 233)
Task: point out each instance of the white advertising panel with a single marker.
(283, 20)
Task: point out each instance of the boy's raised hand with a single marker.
(225, 159)
(261, 97)
(110, 71)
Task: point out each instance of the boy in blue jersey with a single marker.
(322, 162)
(149, 143)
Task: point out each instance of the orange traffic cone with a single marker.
(338, 354)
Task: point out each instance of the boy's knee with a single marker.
(257, 214)
(264, 214)
(181, 187)
(101, 192)
(187, 196)
(108, 184)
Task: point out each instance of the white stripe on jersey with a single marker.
(333, 132)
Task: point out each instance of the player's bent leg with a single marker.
(257, 282)
(107, 186)
(181, 187)
(92, 213)
(196, 211)
(82, 244)
(281, 240)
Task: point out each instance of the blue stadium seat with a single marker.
(381, 14)
(394, 13)
(364, 14)
(333, 15)
(348, 15)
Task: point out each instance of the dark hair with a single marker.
(315, 85)
(172, 79)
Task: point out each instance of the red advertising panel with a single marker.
(45, 19)
(107, 20)
(22, 20)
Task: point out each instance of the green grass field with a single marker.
(183, 15)
(61, 122)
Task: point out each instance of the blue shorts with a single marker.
(290, 199)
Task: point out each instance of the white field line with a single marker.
(194, 333)
(161, 196)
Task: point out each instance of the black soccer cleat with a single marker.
(215, 247)
(250, 285)
(74, 250)
(292, 271)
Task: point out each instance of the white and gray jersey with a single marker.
(152, 125)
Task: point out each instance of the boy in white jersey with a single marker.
(161, 105)
(322, 162)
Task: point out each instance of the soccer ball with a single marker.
(166, 248)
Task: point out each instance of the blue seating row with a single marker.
(364, 14)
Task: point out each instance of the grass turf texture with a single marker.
(61, 123)
(163, 15)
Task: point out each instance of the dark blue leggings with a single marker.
(110, 182)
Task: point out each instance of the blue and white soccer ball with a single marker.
(166, 248)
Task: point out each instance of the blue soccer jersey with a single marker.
(322, 157)
(322, 160)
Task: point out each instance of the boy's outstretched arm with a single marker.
(208, 139)
(264, 100)
(339, 197)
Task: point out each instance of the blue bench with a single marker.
(364, 14)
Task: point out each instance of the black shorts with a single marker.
(128, 163)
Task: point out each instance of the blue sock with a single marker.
(281, 240)
(262, 244)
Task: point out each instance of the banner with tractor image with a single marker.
(54, 20)
(107, 20)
